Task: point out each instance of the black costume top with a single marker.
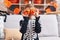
(30, 29)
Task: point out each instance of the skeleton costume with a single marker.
(30, 28)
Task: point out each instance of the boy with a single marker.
(30, 15)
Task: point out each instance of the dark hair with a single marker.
(28, 5)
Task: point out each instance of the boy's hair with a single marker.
(29, 5)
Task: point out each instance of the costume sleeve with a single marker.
(37, 26)
(24, 25)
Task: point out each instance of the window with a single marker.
(41, 4)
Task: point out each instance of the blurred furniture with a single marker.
(12, 34)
